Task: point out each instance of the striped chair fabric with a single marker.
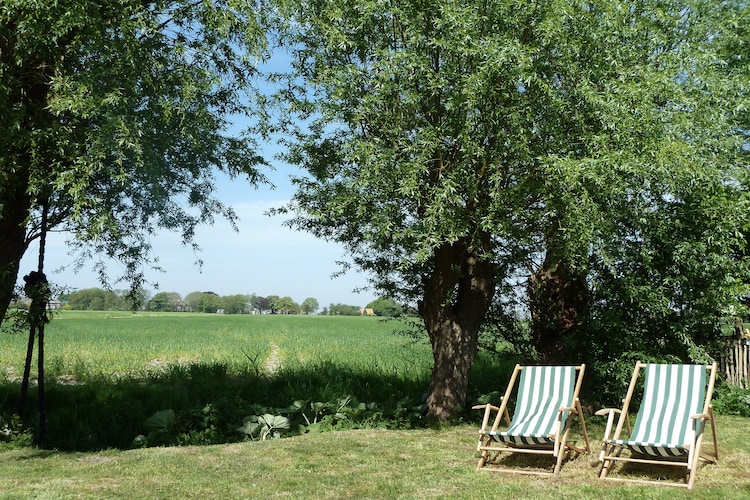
(671, 395)
(542, 391)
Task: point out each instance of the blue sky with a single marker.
(264, 257)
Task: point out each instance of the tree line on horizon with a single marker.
(98, 299)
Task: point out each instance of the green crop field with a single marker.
(111, 375)
(81, 345)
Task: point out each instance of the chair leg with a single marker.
(483, 441)
(694, 457)
(562, 449)
(560, 455)
(691, 478)
(483, 459)
(583, 426)
(714, 457)
(607, 450)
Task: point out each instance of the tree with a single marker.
(252, 302)
(96, 299)
(193, 300)
(165, 302)
(310, 305)
(114, 117)
(282, 305)
(273, 303)
(159, 303)
(385, 306)
(263, 304)
(456, 148)
(285, 305)
(343, 310)
(210, 302)
(236, 304)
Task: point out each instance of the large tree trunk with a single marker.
(13, 241)
(457, 296)
(28, 85)
(454, 349)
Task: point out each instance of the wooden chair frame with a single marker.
(558, 448)
(610, 452)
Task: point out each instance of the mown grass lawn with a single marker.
(347, 464)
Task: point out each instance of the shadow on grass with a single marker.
(208, 403)
(528, 463)
(676, 473)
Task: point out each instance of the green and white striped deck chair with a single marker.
(670, 424)
(547, 396)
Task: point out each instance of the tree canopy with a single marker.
(165, 302)
(310, 305)
(115, 115)
(385, 306)
(574, 162)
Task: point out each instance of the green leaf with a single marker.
(160, 420)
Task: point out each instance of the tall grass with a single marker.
(84, 345)
(107, 374)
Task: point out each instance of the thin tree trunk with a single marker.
(26, 371)
(42, 404)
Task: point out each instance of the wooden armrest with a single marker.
(485, 406)
(610, 412)
(607, 411)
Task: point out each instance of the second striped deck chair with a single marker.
(546, 398)
(670, 425)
